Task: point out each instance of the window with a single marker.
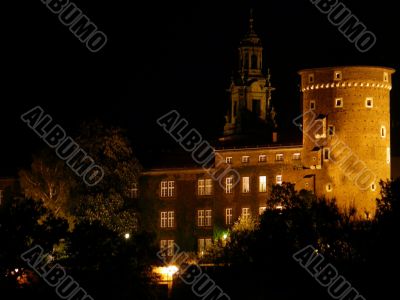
(228, 216)
(1, 196)
(245, 184)
(369, 103)
(167, 188)
(262, 158)
(256, 107)
(167, 245)
(245, 159)
(254, 63)
(200, 218)
(383, 131)
(209, 187)
(228, 160)
(338, 75)
(327, 154)
(133, 191)
(373, 187)
(279, 179)
(204, 245)
(167, 219)
(246, 213)
(310, 78)
(208, 218)
(261, 210)
(331, 130)
(312, 105)
(228, 185)
(296, 156)
(329, 187)
(262, 184)
(385, 77)
(235, 105)
(204, 187)
(279, 157)
(388, 155)
(204, 217)
(339, 102)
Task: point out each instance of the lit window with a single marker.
(329, 187)
(171, 219)
(262, 158)
(167, 188)
(208, 218)
(245, 159)
(228, 216)
(339, 102)
(209, 187)
(369, 102)
(279, 179)
(338, 75)
(262, 184)
(228, 185)
(200, 218)
(331, 130)
(296, 156)
(168, 246)
(279, 157)
(204, 217)
(262, 209)
(327, 154)
(383, 131)
(228, 160)
(312, 105)
(245, 184)
(200, 187)
(373, 187)
(310, 78)
(167, 219)
(204, 187)
(204, 245)
(385, 77)
(388, 155)
(133, 191)
(246, 213)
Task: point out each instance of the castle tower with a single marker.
(250, 91)
(346, 132)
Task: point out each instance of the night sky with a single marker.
(167, 55)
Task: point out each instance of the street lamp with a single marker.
(127, 236)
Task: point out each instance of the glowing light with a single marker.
(127, 236)
(225, 236)
(16, 270)
(166, 273)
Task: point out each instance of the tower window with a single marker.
(383, 131)
(310, 78)
(256, 107)
(338, 75)
(331, 130)
(388, 155)
(373, 187)
(327, 154)
(312, 105)
(329, 187)
(235, 109)
(339, 102)
(254, 62)
(385, 77)
(369, 102)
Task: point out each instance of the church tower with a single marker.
(251, 90)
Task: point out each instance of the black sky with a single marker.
(162, 56)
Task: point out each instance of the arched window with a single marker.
(254, 62)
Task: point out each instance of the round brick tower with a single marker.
(346, 132)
